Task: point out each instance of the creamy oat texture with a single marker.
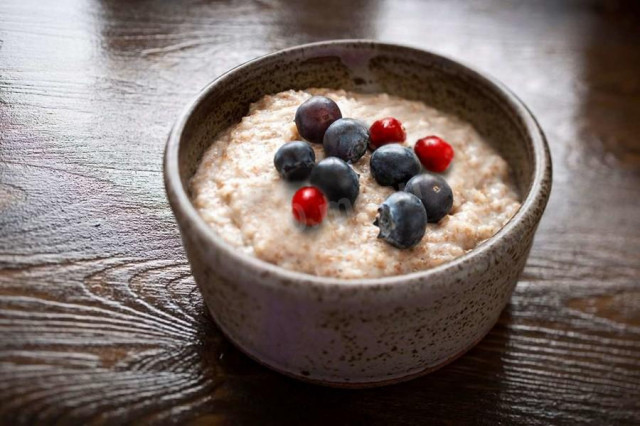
(238, 191)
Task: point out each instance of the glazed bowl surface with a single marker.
(370, 332)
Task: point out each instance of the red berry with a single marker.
(434, 153)
(386, 130)
(309, 206)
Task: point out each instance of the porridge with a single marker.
(240, 194)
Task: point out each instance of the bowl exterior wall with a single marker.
(356, 336)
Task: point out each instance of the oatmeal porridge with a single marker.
(240, 194)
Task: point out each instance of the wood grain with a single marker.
(100, 321)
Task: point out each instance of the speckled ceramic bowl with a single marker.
(357, 333)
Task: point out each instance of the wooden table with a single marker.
(100, 320)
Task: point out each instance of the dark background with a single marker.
(99, 317)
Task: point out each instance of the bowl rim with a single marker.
(181, 204)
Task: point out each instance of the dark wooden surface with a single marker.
(99, 317)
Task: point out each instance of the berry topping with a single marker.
(309, 206)
(392, 165)
(338, 181)
(434, 153)
(314, 116)
(346, 139)
(435, 194)
(386, 130)
(402, 220)
(294, 160)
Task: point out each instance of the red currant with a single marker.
(309, 206)
(386, 130)
(434, 153)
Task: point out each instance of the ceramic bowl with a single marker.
(370, 332)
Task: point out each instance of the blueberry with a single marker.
(294, 160)
(402, 220)
(393, 165)
(346, 139)
(338, 181)
(314, 116)
(435, 194)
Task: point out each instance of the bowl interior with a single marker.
(363, 67)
